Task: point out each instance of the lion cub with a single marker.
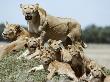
(34, 47)
(61, 68)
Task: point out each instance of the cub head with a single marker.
(55, 45)
(97, 73)
(32, 43)
(48, 56)
(29, 10)
(10, 31)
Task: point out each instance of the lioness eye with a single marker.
(31, 8)
(24, 8)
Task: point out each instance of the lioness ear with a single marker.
(21, 5)
(6, 24)
(37, 4)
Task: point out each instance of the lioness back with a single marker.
(59, 28)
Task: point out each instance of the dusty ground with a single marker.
(100, 53)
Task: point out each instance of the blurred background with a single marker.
(93, 15)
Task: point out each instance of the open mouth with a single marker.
(28, 17)
(33, 47)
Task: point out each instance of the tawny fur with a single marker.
(61, 68)
(16, 34)
(56, 28)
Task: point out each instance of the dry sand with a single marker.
(100, 53)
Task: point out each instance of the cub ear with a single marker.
(21, 5)
(49, 41)
(59, 41)
(18, 27)
(25, 45)
(26, 38)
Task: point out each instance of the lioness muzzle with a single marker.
(28, 17)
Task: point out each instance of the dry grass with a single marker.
(13, 70)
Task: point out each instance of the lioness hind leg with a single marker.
(67, 42)
(75, 31)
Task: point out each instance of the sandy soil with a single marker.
(100, 53)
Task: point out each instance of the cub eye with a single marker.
(55, 44)
(24, 8)
(10, 30)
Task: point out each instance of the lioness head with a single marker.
(10, 31)
(29, 10)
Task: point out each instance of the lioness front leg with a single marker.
(43, 24)
(7, 49)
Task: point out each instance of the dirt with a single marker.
(100, 53)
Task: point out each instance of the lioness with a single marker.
(66, 29)
(15, 33)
